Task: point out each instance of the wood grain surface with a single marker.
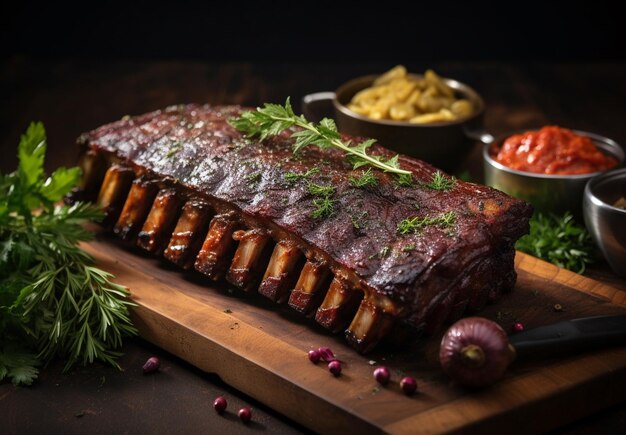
(261, 349)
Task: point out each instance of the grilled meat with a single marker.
(184, 184)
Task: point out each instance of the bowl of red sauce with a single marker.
(549, 167)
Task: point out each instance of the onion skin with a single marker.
(475, 352)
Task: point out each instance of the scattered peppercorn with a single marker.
(314, 356)
(334, 367)
(382, 375)
(408, 385)
(517, 327)
(245, 414)
(151, 365)
(220, 404)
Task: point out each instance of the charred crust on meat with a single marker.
(220, 204)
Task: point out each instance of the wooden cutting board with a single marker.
(261, 348)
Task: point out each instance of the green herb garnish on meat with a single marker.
(323, 200)
(559, 240)
(417, 224)
(294, 176)
(366, 179)
(53, 301)
(272, 119)
(440, 182)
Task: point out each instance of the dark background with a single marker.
(77, 67)
(316, 30)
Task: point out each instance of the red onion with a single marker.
(314, 356)
(151, 365)
(334, 367)
(408, 385)
(382, 375)
(245, 414)
(220, 404)
(475, 352)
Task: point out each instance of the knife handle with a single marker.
(571, 336)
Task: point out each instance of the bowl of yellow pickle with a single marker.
(426, 116)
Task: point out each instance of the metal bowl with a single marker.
(443, 144)
(548, 193)
(606, 223)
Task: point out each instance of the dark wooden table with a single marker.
(73, 96)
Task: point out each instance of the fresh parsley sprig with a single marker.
(273, 119)
(559, 240)
(53, 300)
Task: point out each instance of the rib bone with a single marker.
(93, 166)
(187, 235)
(115, 187)
(308, 290)
(158, 227)
(338, 306)
(136, 208)
(373, 319)
(279, 276)
(218, 247)
(248, 262)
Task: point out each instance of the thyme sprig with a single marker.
(273, 119)
(323, 200)
(440, 182)
(366, 179)
(294, 176)
(417, 223)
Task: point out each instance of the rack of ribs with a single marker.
(184, 184)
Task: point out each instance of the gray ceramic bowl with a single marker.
(606, 223)
(551, 193)
(443, 144)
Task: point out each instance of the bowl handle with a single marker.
(318, 105)
(479, 135)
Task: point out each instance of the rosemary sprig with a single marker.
(366, 179)
(440, 182)
(404, 180)
(53, 300)
(273, 119)
(358, 222)
(319, 190)
(294, 176)
(416, 224)
(323, 202)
